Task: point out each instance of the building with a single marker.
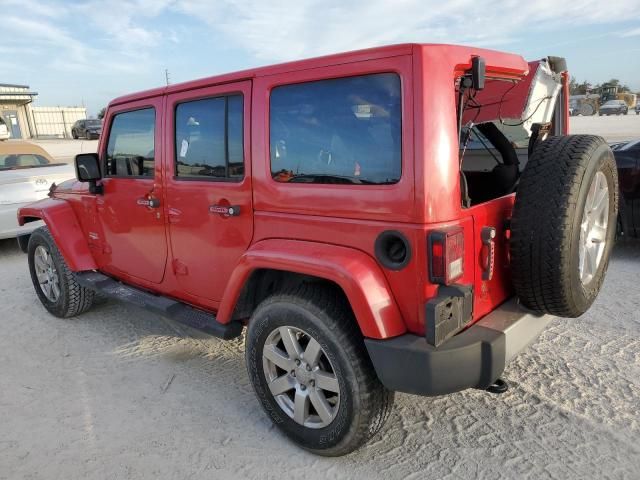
(15, 102)
(27, 121)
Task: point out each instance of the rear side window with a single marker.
(131, 146)
(338, 131)
(209, 140)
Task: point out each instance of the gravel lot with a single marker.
(120, 393)
(613, 128)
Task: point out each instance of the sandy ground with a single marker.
(613, 128)
(120, 393)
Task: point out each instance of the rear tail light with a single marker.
(446, 255)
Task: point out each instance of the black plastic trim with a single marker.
(474, 358)
(167, 307)
(380, 249)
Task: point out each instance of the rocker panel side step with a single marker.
(177, 311)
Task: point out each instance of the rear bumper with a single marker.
(474, 358)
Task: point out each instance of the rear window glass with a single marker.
(131, 151)
(338, 131)
(22, 160)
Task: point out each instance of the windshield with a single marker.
(93, 123)
(23, 160)
(629, 146)
(613, 103)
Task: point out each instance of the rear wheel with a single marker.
(564, 224)
(74, 134)
(54, 283)
(311, 372)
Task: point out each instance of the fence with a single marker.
(56, 122)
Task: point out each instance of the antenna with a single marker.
(166, 75)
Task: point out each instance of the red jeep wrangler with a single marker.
(404, 218)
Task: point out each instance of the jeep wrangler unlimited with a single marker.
(405, 218)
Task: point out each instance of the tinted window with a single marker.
(130, 151)
(209, 138)
(341, 131)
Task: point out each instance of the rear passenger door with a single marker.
(208, 185)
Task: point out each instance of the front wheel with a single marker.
(55, 284)
(311, 372)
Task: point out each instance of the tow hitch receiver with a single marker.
(498, 387)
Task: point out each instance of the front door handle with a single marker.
(150, 202)
(226, 210)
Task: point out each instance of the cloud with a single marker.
(34, 7)
(292, 29)
(631, 33)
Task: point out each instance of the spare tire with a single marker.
(564, 224)
(586, 109)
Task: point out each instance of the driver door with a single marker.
(130, 211)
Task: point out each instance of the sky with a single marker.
(88, 52)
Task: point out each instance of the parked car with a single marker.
(26, 174)
(638, 108)
(88, 128)
(627, 155)
(614, 107)
(328, 206)
(5, 133)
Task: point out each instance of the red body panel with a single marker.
(65, 230)
(356, 273)
(327, 231)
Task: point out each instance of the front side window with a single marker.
(131, 146)
(209, 140)
(338, 131)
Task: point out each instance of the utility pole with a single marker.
(166, 75)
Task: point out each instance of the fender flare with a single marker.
(355, 272)
(63, 225)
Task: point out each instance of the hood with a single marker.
(30, 184)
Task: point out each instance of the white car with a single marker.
(26, 174)
(4, 130)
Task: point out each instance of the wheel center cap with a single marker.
(303, 375)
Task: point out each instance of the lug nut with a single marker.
(297, 362)
(308, 368)
(303, 387)
(293, 373)
(312, 383)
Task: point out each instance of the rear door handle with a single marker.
(488, 252)
(150, 202)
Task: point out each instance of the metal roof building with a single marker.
(26, 121)
(14, 108)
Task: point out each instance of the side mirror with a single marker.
(478, 72)
(88, 170)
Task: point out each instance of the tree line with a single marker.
(582, 88)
